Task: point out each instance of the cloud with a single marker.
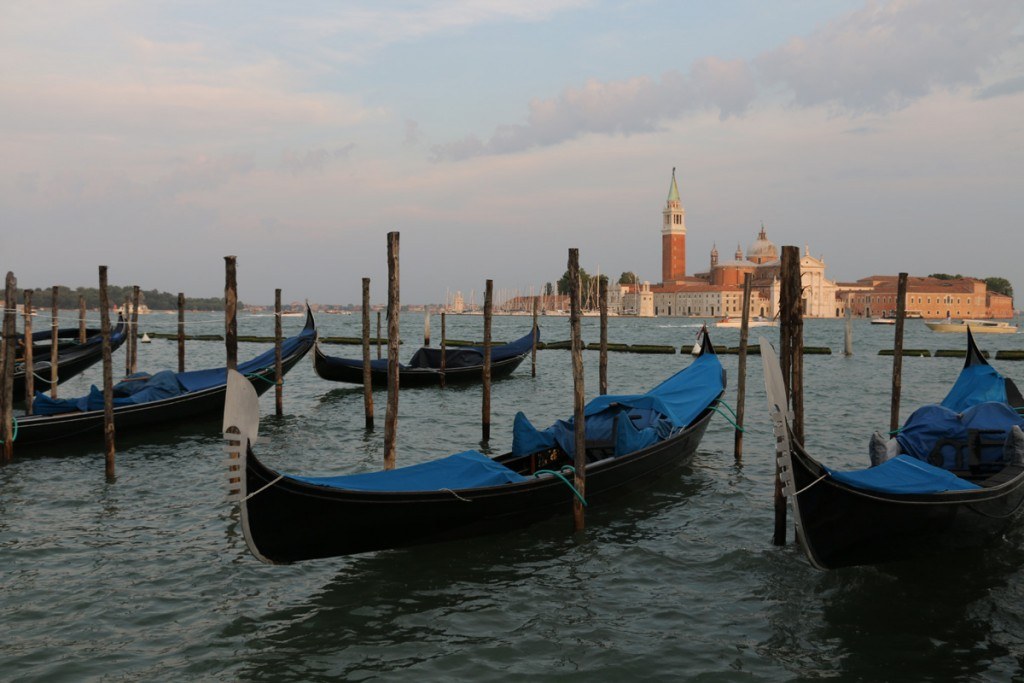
(879, 58)
(314, 159)
(1010, 86)
(637, 105)
(886, 55)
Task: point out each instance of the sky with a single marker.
(155, 138)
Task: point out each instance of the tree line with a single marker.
(999, 285)
(67, 298)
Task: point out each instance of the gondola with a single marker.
(951, 479)
(72, 359)
(463, 365)
(631, 441)
(165, 398)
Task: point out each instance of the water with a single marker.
(148, 578)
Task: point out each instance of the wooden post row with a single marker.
(108, 381)
(394, 307)
(367, 375)
(278, 369)
(30, 372)
(485, 421)
(8, 332)
(54, 355)
(580, 449)
(897, 353)
(741, 381)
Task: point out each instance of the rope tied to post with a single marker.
(728, 419)
(264, 378)
(561, 476)
(14, 434)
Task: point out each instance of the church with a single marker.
(718, 292)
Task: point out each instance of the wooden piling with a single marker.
(81, 319)
(30, 373)
(579, 432)
(367, 375)
(126, 313)
(134, 339)
(741, 372)
(394, 308)
(897, 353)
(603, 362)
(278, 370)
(485, 411)
(791, 347)
(231, 311)
(426, 328)
(181, 331)
(378, 336)
(444, 348)
(108, 381)
(54, 351)
(848, 337)
(9, 331)
(533, 350)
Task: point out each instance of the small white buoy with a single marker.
(145, 338)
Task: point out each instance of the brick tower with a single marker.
(673, 237)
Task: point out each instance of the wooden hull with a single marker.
(409, 378)
(71, 361)
(841, 526)
(40, 430)
(285, 520)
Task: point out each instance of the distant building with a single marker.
(928, 297)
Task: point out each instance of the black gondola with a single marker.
(951, 479)
(463, 365)
(631, 441)
(72, 358)
(201, 395)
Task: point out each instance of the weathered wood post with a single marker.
(394, 308)
(367, 375)
(741, 372)
(533, 349)
(181, 331)
(579, 432)
(378, 336)
(108, 381)
(127, 315)
(81, 320)
(897, 353)
(231, 311)
(30, 372)
(134, 339)
(444, 349)
(426, 327)
(485, 418)
(278, 370)
(54, 355)
(791, 343)
(9, 330)
(603, 362)
(848, 336)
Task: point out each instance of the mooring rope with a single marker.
(263, 488)
(14, 435)
(797, 493)
(728, 407)
(728, 419)
(564, 480)
(268, 381)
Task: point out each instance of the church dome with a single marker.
(762, 250)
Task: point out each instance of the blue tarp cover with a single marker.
(975, 384)
(903, 474)
(931, 425)
(143, 388)
(633, 420)
(429, 358)
(466, 470)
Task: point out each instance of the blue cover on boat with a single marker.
(466, 470)
(975, 384)
(429, 357)
(903, 474)
(938, 435)
(632, 421)
(197, 380)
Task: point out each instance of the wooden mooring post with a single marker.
(791, 348)
(108, 379)
(897, 353)
(485, 410)
(848, 336)
(394, 307)
(126, 314)
(533, 349)
(134, 338)
(81, 320)
(378, 336)
(231, 311)
(603, 362)
(426, 327)
(181, 331)
(367, 375)
(741, 371)
(278, 370)
(579, 425)
(9, 331)
(54, 351)
(30, 372)
(444, 349)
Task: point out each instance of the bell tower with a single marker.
(673, 236)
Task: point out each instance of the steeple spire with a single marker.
(673, 190)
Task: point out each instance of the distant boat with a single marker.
(145, 338)
(883, 321)
(756, 321)
(976, 326)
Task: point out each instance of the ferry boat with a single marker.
(976, 326)
(756, 321)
